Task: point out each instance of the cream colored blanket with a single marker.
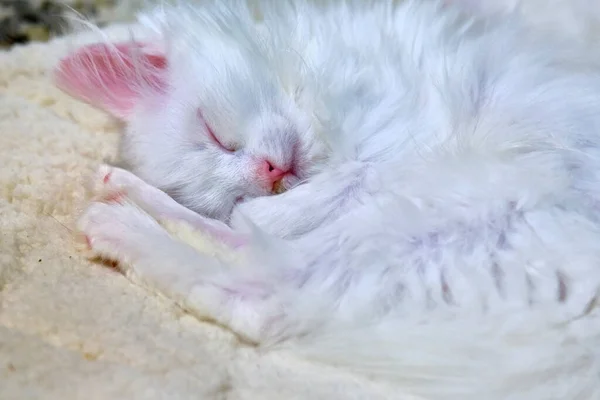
(72, 329)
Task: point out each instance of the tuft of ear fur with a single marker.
(112, 77)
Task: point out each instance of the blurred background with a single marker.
(24, 21)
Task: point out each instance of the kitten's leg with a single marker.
(121, 232)
(242, 298)
(112, 182)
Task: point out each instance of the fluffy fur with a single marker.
(445, 234)
(573, 20)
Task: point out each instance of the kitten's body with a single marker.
(574, 20)
(449, 240)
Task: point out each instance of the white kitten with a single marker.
(450, 240)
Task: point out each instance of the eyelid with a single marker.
(212, 135)
(214, 138)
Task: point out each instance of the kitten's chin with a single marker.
(237, 203)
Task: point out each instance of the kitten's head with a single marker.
(213, 116)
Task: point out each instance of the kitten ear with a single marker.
(112, 77)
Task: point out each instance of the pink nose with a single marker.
(270, 173)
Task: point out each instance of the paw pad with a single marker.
(115, 197)
(107, 177)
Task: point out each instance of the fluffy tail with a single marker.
(516, 357)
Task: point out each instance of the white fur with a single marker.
(450, 240)
(572, 20)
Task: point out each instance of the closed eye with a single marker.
(213, 137)
(216, 140)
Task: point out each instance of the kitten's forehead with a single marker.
(188, 26)
(272, 124)
(208, 41)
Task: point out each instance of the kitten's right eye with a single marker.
(228, 148)
(215, 139)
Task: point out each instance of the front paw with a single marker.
(115, 185)
(111, 184)
(118, 231)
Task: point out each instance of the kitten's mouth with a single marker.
(279, 187)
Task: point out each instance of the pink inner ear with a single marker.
(112, 77)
